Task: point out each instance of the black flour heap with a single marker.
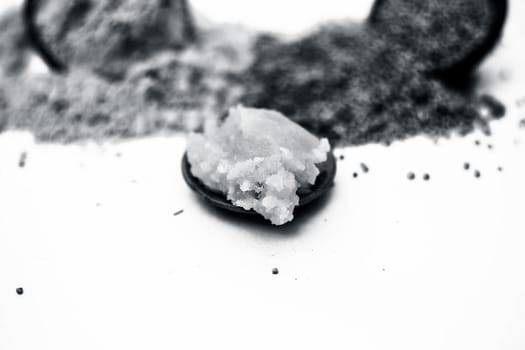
(378, 82)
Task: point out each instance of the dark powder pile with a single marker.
(357, 84)
(354, 83)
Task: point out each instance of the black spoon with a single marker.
(323, 184)
(463, 62)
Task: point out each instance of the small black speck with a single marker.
(477, 142)
(275, 271)
(466, 166)
(20, 291)
(500, 169)
(411, 176)
(365, 168)
(426, 177)
(355, 175)
(342, 157)
(384, 270)
(22, 160)
(490, 146)
(477, 174)
(179, 212)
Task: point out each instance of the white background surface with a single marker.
(383, 263)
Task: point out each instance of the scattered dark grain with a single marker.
(365, 168)
(477, 142)
(20, 291)
(22, 160)
(355, 175)
(342, 157)
(426, 177)
(522, 124)
(178, 212)
(275, 271)
(477, 174)
(411, 176)
(500, 169)
(466, 166)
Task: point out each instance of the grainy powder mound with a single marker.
(346, 83)
(169, 92)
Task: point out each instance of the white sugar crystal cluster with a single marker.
(259, 159)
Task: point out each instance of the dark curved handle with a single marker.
(29, 13)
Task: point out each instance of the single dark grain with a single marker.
(411, 176)
(466, 166)
(22, 160)
(495, 108)
(275, 271)
(426, 177)
(178, 212)
(477, 174)
(20, 291)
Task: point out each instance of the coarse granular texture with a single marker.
(347, 83)
(14, 46)
(169, 92)
(259, 159)
(108, 36)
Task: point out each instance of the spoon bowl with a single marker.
(323, 184)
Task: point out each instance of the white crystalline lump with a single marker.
(259, 159)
